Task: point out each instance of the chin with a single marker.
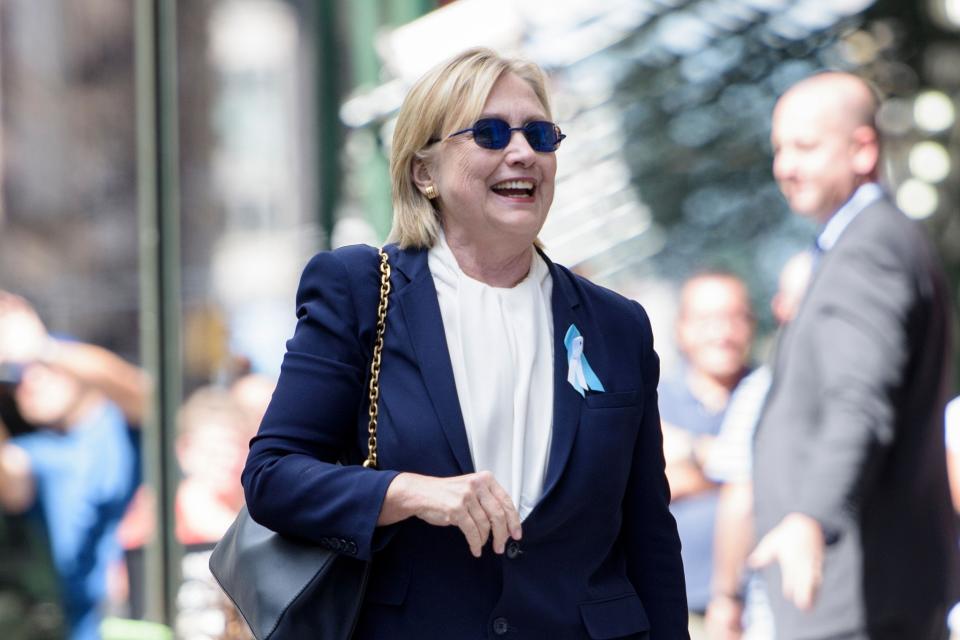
(798, 204)
(726, 369)
(522, 226)
(806, 204)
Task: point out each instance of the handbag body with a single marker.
(286, 588)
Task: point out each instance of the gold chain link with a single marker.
(371, 461)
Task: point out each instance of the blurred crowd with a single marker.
(76, 518)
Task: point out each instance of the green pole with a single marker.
(365, 20)
(159, 222)
(323, 17)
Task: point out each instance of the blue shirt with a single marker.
(85, 477)
(864, 196)
(695, 514)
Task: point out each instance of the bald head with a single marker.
(825, 142)
(842, 96)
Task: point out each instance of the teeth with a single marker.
(514, 184)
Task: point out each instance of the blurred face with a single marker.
(47, 397)
(815, 155)
(492, 194)
(214, 454)
(253, 392)
(715, 327)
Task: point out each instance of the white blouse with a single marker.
(501, 348)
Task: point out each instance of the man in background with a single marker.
(714, 334)
(79, 468)
(851, 498)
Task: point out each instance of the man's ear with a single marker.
(866, 158)
(421, 174)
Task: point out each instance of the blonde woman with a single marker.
(520, 490)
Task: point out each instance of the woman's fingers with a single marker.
(474, 503)
(475, 526)
(510, 511)
(497, 516)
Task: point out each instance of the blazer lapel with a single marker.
(421, 312)
(566, 401)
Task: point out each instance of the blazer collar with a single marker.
(411, 263)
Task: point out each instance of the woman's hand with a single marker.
(476, 503)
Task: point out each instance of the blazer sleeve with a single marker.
(292, 481)
(861, 338)
(650, 539)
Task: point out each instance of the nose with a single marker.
(519, 152)
(783, 164)
(726, 327)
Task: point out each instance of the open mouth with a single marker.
(515, 188)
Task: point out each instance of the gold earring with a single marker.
(431, 192)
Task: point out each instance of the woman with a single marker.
(521, 490)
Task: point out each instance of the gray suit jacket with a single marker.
(852, 431)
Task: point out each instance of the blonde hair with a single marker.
(449, 97)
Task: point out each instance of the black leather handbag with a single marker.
(286, 588)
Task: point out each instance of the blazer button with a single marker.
(513, 550)
(501, 626)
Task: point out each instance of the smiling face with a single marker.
(811, 161)
(823, 144)
(715, 326)
(493, 195)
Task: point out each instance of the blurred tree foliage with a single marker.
(697, 103)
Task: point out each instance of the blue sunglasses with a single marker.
(494, 133)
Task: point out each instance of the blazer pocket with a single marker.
(617, 617)
(611, 400)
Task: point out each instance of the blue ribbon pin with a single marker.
(579, 373)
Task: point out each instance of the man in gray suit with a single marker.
(851, 499)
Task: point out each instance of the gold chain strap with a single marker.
(371, 461)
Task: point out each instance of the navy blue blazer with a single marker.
(600, 556)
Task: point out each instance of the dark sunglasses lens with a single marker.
(542, 136)
(491, 133)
